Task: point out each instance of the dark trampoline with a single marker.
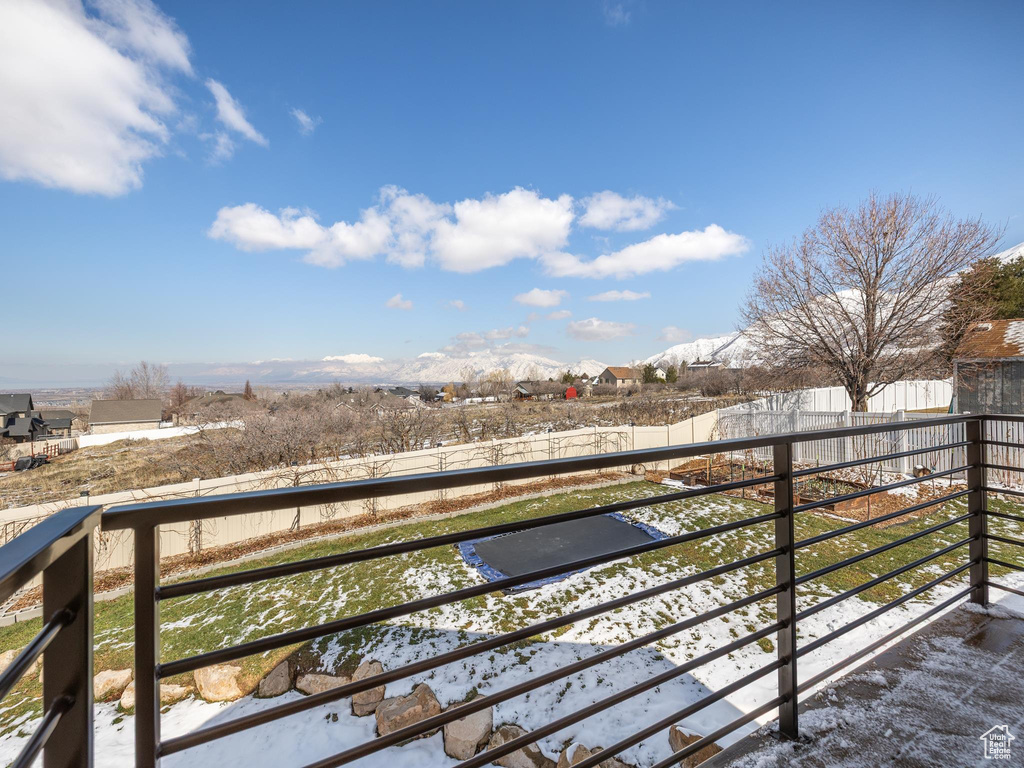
(513, 554)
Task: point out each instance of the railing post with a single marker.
(147, 645)
(785, 576)
(67, 663)
(978, 524)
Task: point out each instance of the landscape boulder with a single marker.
(529, 756)
(316, 683)
(8, 657)
(365, 702)
(577, 753)
(277, 682)
(110, 684)
(168, 694)
(464, 737)
(219, 682)
(680, 737)
(402, 711)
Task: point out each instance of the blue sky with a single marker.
(153, 213)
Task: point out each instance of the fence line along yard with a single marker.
(114, 550)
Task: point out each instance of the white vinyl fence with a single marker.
(837, 450)
(901, 396)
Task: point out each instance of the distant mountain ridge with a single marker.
(428, 368)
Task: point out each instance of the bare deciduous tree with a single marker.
(862, 293)
(146, 381)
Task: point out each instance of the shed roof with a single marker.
(121, 411)
(992, 340)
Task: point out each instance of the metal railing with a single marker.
(145, 519)
(61, 549)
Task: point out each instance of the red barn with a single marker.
(570, 393)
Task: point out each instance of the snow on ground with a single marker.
(302, 738)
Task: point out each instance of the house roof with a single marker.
(992, 340)
(216, 398)
(22, 426)
(121, 411)
(50, 414)
(403, 392)
(10, 403)
(621, 372)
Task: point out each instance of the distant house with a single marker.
(58, 422)
(403, 392)
(570, 393)
(620, 376)
(704, 365)
(107, 416)
(18, 419)
(212, 402)
(522, 392)
(19, 405)
(392, 404)
(988, 369)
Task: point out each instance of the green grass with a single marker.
(210, 621)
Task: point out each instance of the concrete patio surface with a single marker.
(925, 702)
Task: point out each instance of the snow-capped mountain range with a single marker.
(427, 368)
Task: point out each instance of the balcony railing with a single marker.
(61, 548)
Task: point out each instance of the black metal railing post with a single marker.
(67, 662)
(785, 576)
(147, 645)
(978, 524)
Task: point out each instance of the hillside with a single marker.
(733, 349)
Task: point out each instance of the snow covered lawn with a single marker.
(205, 622)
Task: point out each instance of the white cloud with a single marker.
(355, 358)
(306, 123)
(660, 253)
(615, 14)
(411, 230)
(431, 356)
(620, 296)
(83, 95)
(674, 335)
(231, 114)
(223, 146)
(610, 210)
(397, 302)
(507, 333)
(413, 219)
(499, 228)
(593, 329)
(458, 304)
(252, 228)
(539, 297)
(561, 314)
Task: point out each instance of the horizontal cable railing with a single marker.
(951, 553)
